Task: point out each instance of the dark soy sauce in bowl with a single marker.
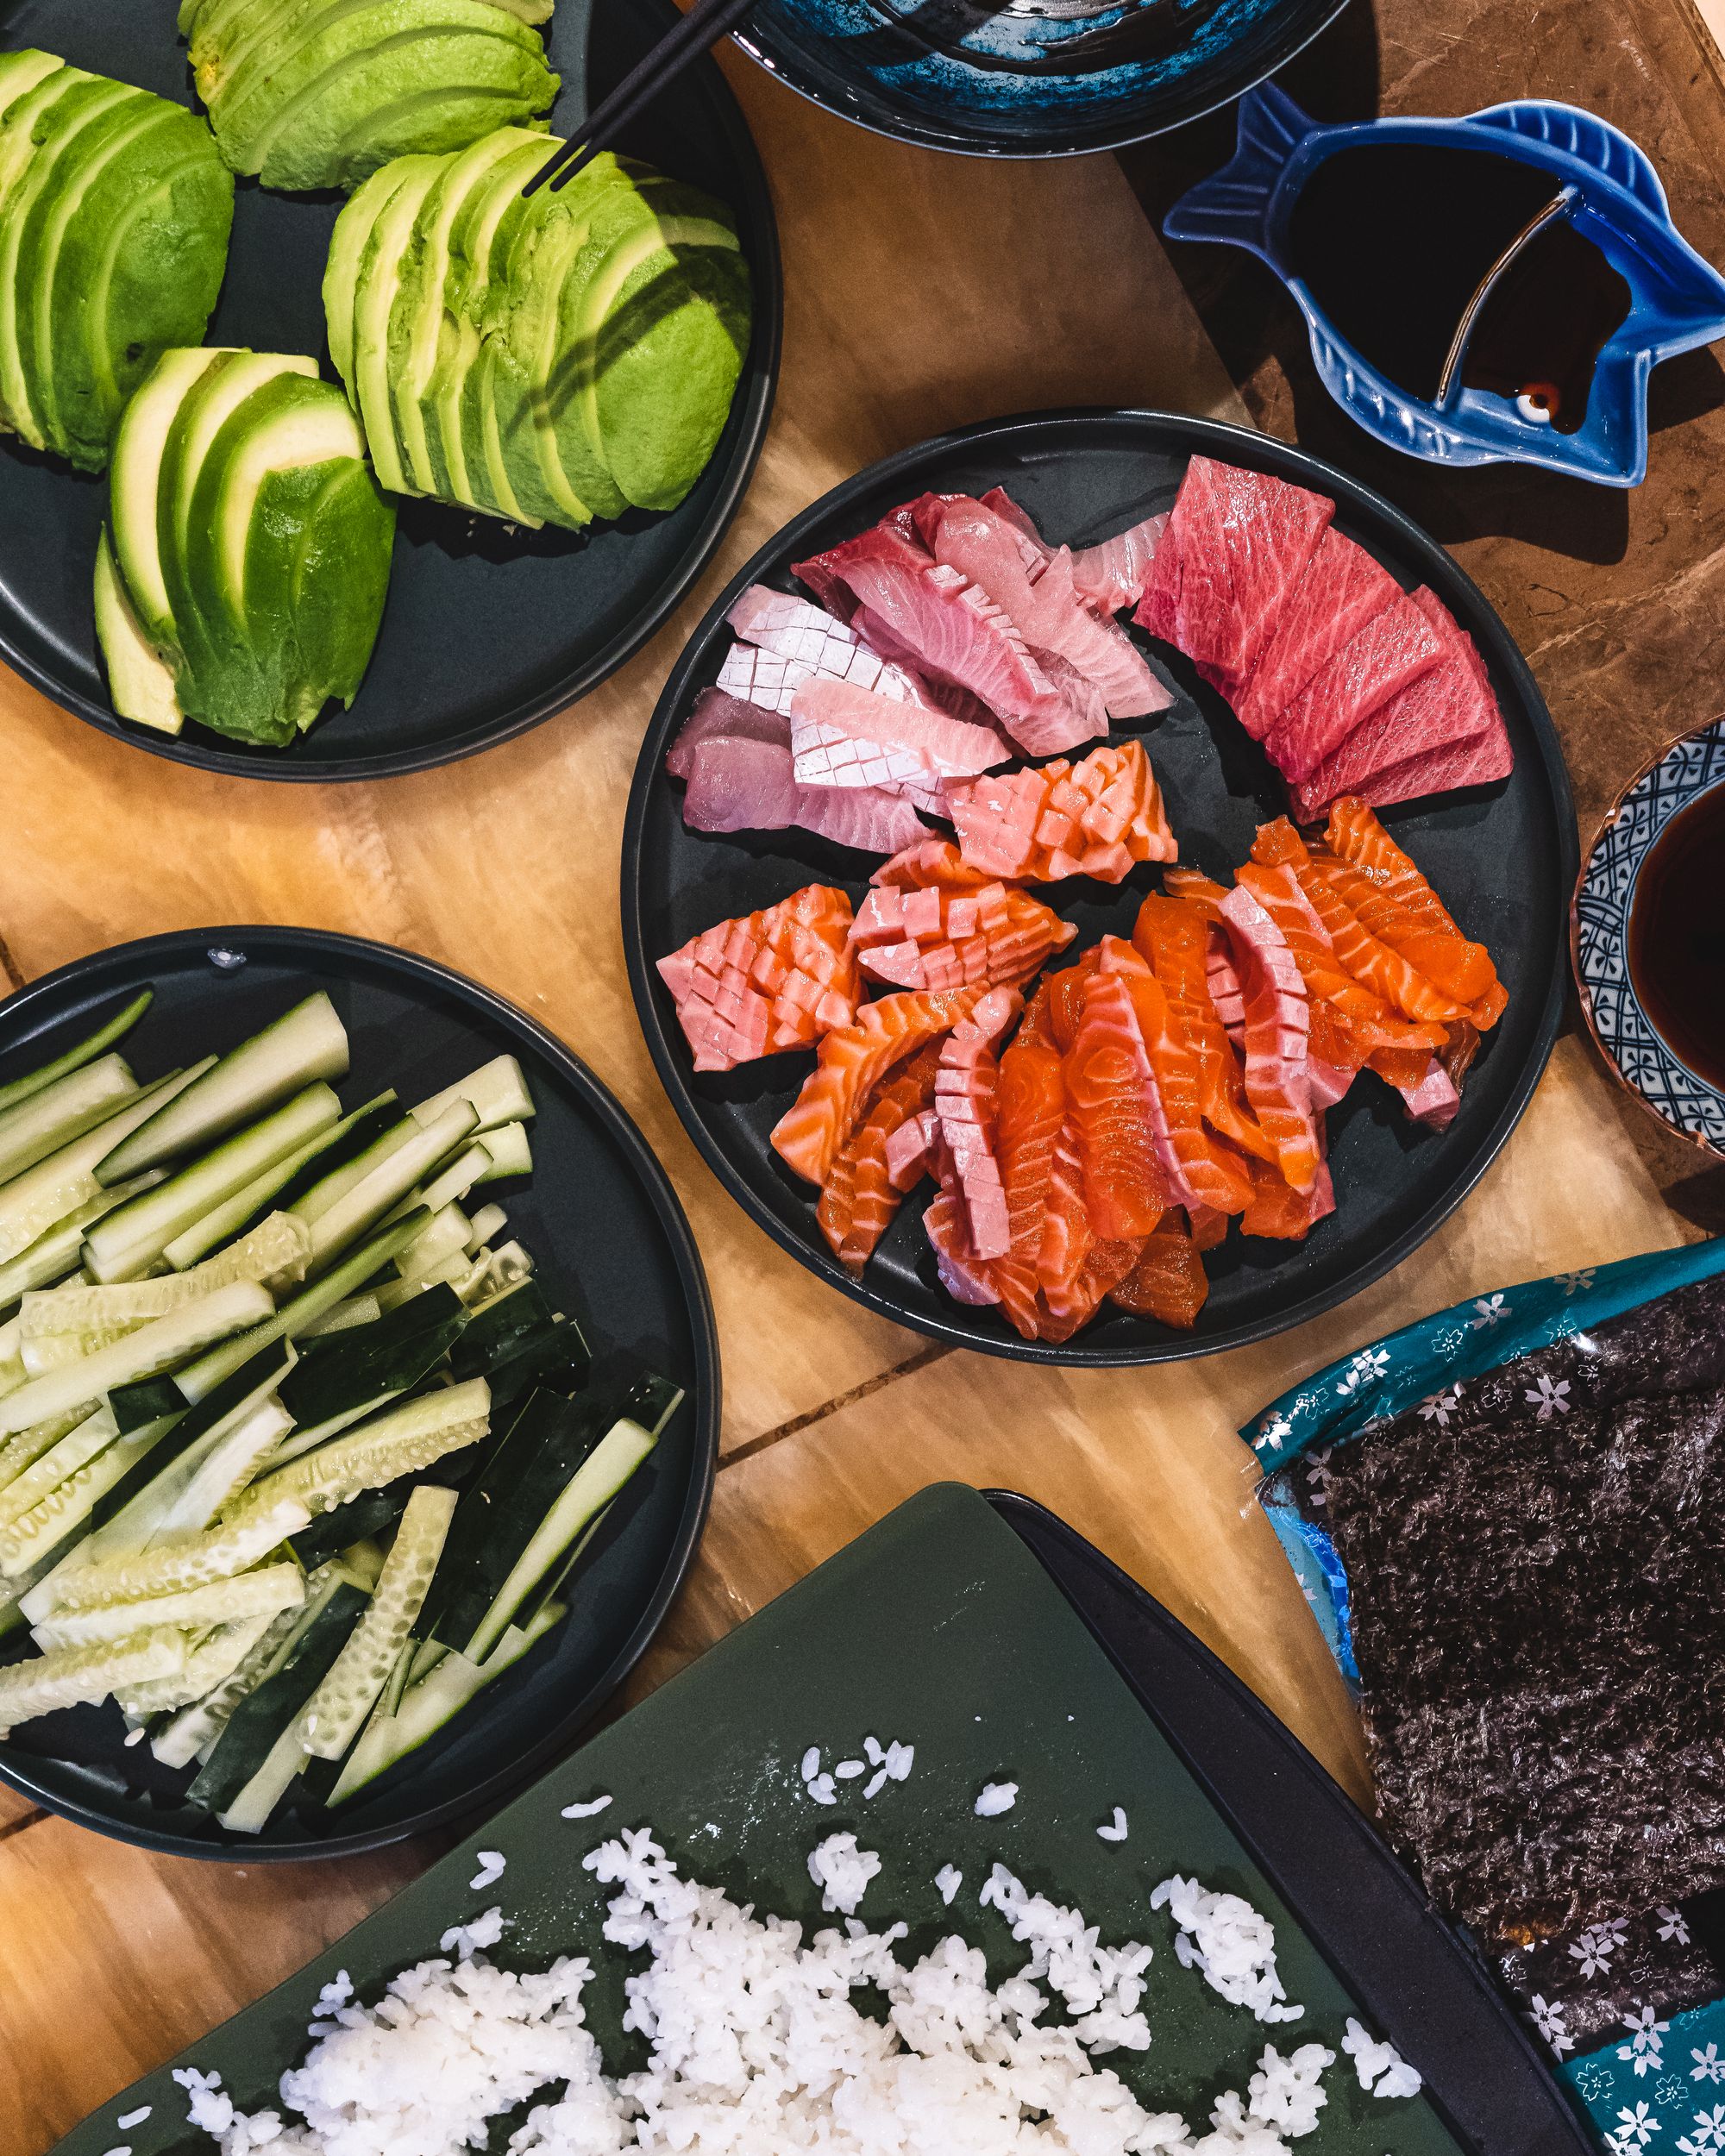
(1395, 242)
(1677, 936)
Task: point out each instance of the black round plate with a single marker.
(607, 1230)
(1502, 857)
(941, 72)
(488, 630)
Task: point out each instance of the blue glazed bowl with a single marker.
(1030, 78)
(1612, 197)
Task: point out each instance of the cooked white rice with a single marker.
(1230, 1943)
(756, 2046)
(996, 1797)
(841, 1872)
(1381, 2067)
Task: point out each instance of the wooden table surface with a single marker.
(923, 292)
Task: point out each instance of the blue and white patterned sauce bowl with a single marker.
(1599, 937)
(1027, 77)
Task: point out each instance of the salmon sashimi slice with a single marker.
(1360, 1015)
(1355, 834)
(810, 1135)
(1067, 1233)
(862, 1198)
(942, 938)
(1095, 818)
(1111, 1087)
(965, 1103)
(1173, 935)
(1196, 889)
(1167, 1281)
(1337, 893)
(768, 981)
(934, 864)
(965, 1276)
(1065, 1311)
(1030, 1107)
(1282, 1213)
(1198, 1168)
(1278, 1033)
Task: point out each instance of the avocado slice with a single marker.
(416, 315)
(140, 680)
(286, 436)
(327, 93)
(354, 230)
(207, 655)
(23, 71)
(134, 481)
(379, 282)
(323, 536)
(71, 113)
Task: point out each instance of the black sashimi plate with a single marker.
(1503, 859)
(488, 630)
(606, 1230)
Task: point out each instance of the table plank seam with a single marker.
(17, 1826)
(9, 965)
(869, 1386)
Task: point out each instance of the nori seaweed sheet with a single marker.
(1579, 1989)
(1536, 1569)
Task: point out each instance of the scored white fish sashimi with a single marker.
(744, 783)
(842, 735)
(787, 641)
(952, 630)
(1112, 575)
(984, 548)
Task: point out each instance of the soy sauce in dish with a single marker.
(1395, 242)
(1677, 936)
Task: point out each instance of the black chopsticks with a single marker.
(706, 21)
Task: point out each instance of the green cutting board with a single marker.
(938, 1628)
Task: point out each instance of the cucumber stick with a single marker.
(192, 1733)
(499, 1153)
(332, 1717)
(146, 1353)
(86, 1051)
(35, 1535)
(486, 1225)
(497, 1093)
(42, 1196)
(270, 1711)
(433, 1702)
(56, 1253)
(75, 1450)
(446, 1234)
(232, 1216)
(232, 1546)
(388, 1356)
(49, 1119)
(263, 1593)
(399, 1442)
(71, 1676)
(201, 1377)
(379, 1192)
(213, 1660)
(242, 1447)
(358, 1310)
(127, 1243)
(22, 1451)
(63, 1322)
(306, 1043)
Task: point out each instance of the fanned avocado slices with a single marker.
(556, 359)
(115, 214)
(321, 93)
(250, 547)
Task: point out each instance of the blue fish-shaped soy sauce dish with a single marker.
(1494, 288)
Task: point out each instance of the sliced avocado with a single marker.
(304, 105)
(23, 116)
(415, 318)
(472, 242)
(23, 71)
(140, 680)
(77, 108)
(379, 281)
(488, 468)
(337, 571)
(341, 271)
(133, 481)
(207, 654)
(240, 41)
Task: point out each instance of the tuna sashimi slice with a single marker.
(1394, 649)
(1277, 1025)
(1046, 610)
(1244, 540)
(1450, 705)
(1112, 575)
(716, 713)
(812, 1133)
(892, 540)
(1342, 588)
(766, 982)
(1446, 768)
(736, 785)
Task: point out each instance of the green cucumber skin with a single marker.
(85, 1051)
(390, 1354)
(363, 1127)
(261, 1717)
(191, 1425)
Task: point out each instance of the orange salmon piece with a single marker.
(1281, 1213)
(1197, 1167)
(1095, 817)
(1109, 1082)
(1451, 961)
(812, 1131)
(1167, 1281)
(1333, 888)
(1030, 1113)
(1369, 1020)
(1173, 935)
(1065, 1311)
(766, 982)
(859, 1202)
(934, 865)
(1067, 1234)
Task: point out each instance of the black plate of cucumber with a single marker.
(491, 622)
(358, 1393)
